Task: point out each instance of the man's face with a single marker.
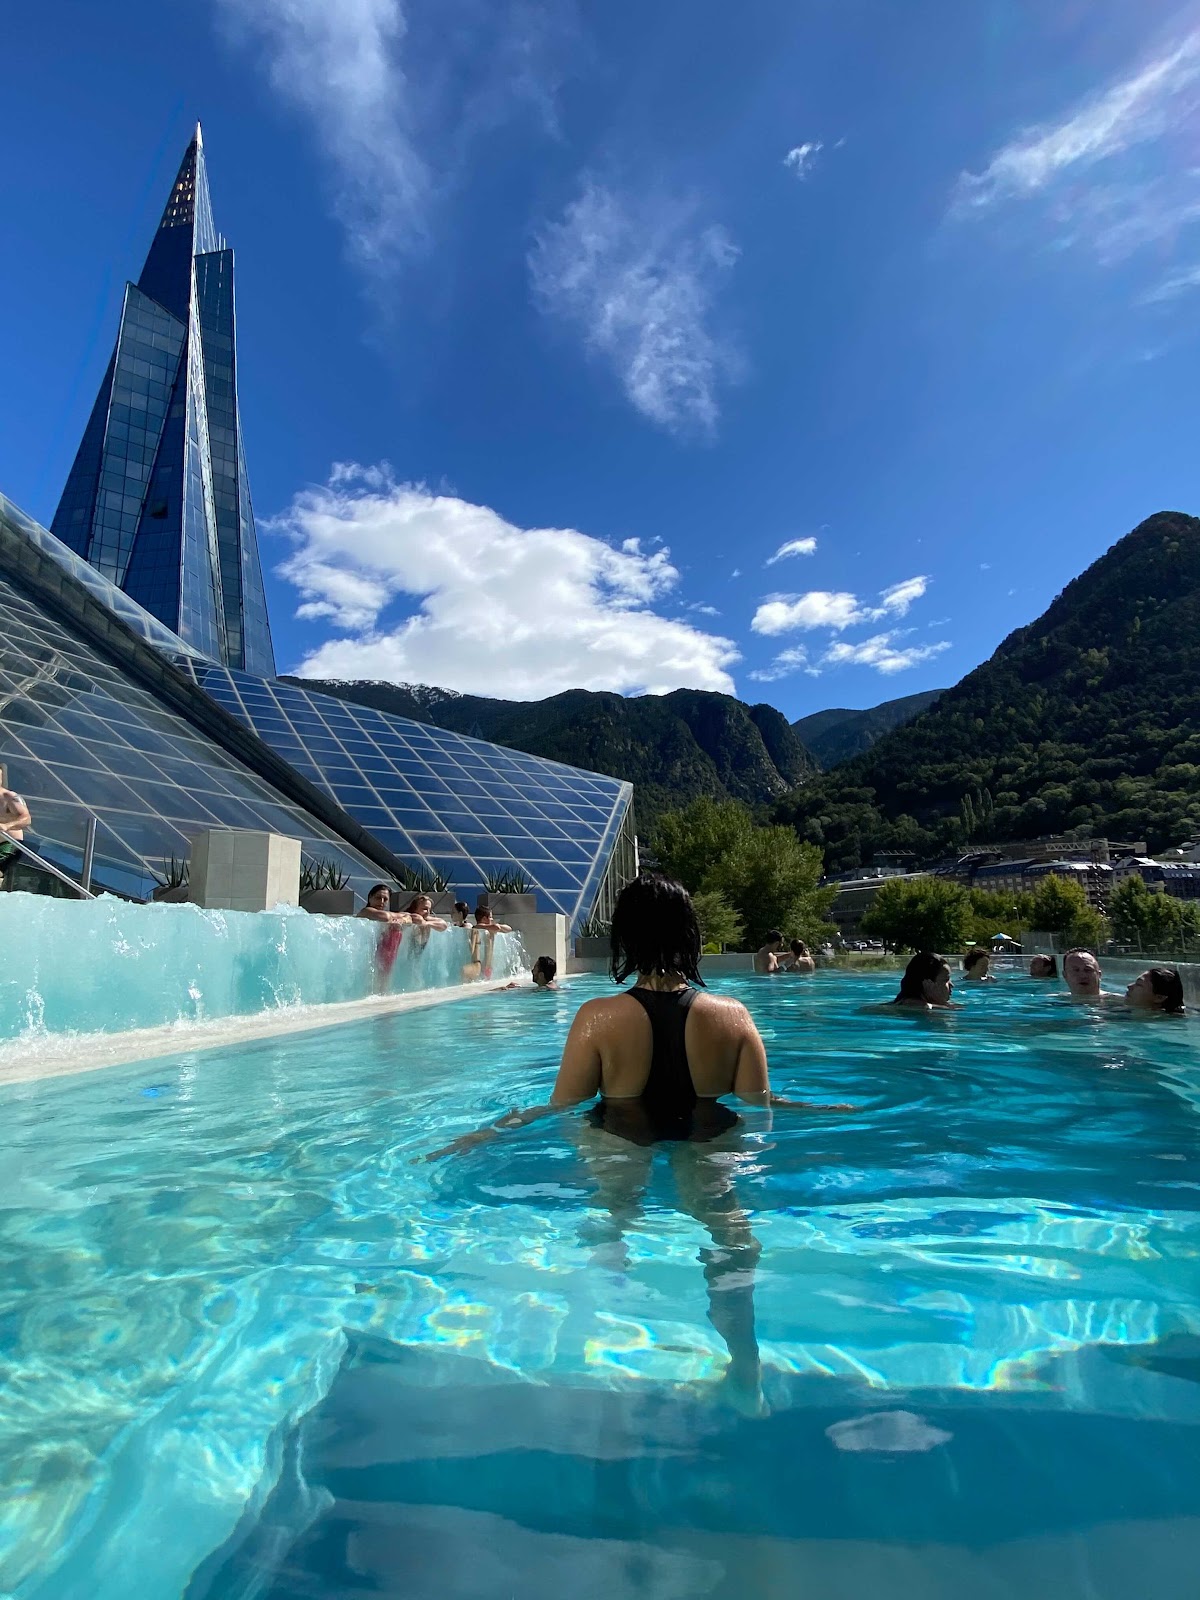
(1082, 972)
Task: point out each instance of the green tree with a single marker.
(719, 922)
(1146, 917)
(1059, 905)
(920, 914)
(769, 877)
(690, 842)
(996, 912)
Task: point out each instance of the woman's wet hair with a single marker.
(375, 888)
(547, 966)
(798, 947)
(1166, 983)
(654, 930)
(925, 967)
(462, 908)
(973, 957)
(415, 902)
(1043, 967)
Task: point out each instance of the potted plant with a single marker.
(593, 938)
(325, 889)
(508, 894)
(421, 880)
(172, 883)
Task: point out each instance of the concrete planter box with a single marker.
(443, 903)
(171, 897)
(329, 902)
(590, 947)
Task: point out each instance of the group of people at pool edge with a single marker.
(418, 916)
(927, 985)
(655, 1064)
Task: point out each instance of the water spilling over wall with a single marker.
(105, 965)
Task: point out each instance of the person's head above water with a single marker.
(926, 980)
(378, 897)
(654, 930)
(1043, 967)
(461, 911)
(976, 962)
(545, 970)
(419, 906)
(1081, 971)
(1157, 989)
(773, 940)
(798, 947)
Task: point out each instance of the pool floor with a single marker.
(252, 1345)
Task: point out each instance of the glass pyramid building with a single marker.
(137, 676)
(158, 499)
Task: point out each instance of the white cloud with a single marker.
(703, 610)
(900, 596)
(784, 664)
(821, 608)
(882, 653)
(500, 610)
(339, 62)
(818, 609)
(793, 547)
(1171, 288)
(639, 280)
(803, 158)
(1112, 174)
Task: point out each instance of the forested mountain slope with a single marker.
(839, 733)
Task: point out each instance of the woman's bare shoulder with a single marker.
(721, 1010)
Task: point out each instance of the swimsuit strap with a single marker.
(669, 1087)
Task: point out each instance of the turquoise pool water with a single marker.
(249, 1348)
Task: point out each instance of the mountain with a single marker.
(671, 747)
(838, 734)
(1087, 720)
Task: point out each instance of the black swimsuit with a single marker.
(668, 1107)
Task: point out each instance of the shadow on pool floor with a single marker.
(434, 1477)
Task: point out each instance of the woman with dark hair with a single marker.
(926, 984)
(976, 966)
(1158, 989)
(388, 948)
(660, 1056)
(801, 960)
(1043, 967)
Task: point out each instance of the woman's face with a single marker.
(980, 969)
(938, 990)
(483, 918)
(1141, 996)
(423, 906)
(378, 899)
(1082, 972)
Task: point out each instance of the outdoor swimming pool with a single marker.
(248, 1347)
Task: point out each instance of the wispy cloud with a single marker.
(793, 547)
(836, 610)
(882, 653)
(639, 278)
(784, 665)
(396, 97)
(340, 63)
(1116, 173)
(803, 158)
(481, 605)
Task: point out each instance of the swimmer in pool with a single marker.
(769, 959)
(661, 1056)
(976, 966)
(925, 986)
(1043, 967)
(1084, 979)
(800, 961)
(391, 935)
(543, 973)
(1157, 992)
(483, 942)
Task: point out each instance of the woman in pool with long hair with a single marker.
(660, 1057)
(390, 936)
(926, 984)
(1157, 991)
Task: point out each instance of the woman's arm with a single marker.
(579, 1072)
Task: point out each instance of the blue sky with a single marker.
(796, 348)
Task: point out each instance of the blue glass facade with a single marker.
(158, 499)
(463, 807)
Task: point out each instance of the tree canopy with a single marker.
(921, 914)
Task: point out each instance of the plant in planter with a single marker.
(325, 888)
(593, 937)
(508, 893)
(172, 882)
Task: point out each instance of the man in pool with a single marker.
(1083, 977)
(766, 960)
(543, 973)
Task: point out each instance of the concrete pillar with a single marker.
(238, 869)
(543, 933)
